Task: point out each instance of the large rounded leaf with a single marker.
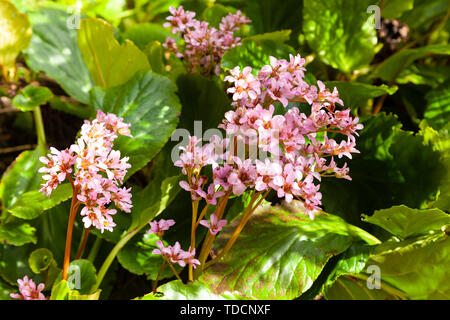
(54, 50)
(343, 38)
(176, 290)
(149, 103)
(109, 63)
(16, 33)
(280, 252)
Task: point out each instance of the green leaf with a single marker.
(424, 14)
(60, 291)
(255, 54)
(20, 177)
(110, 64)
(176, 290)
(280, 36)
(81, 276)
(418, 267)
(144, 33)
(342, 38)
(440, 142)
(31, 97)
(424, 74)
(17, 233)
(350, 288)
(40, 260)
(154, 52)
(162, 193)
(54, 50)
(392, 9)
(14, 263)
(356, 94)
(16, 34)
(271, 15)
(214, 14)
(6, 290)
(137, 258)
(390, 68)
(437, 112)
(280, 252)
(382, 173)
(149, 103)
(405, 222)
(202, 100)
(74, 295)
(32, 204)
(77, 109)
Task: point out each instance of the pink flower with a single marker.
(214, 226)
(189, 258)
(158, 228)
(195, 187)
(28, 290)
(212, 195)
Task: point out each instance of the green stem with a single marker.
(112, 255)
(40, 132)
(94, 250)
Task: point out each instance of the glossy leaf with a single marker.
(176, 290)
(144, 33)
(17, 233)
(32, 204)
(392, 9)
(342, 38)
(16, 34)
(390, 68)
(102, 52)
(356, 94)
(418, 267)
(148, 102)
(6, 290)
(40, 260)
(31, 97)
(54, 50)
(382, 173)
(437, 112)
(280, 252)
(81, 276)
(202, 100)
(255, 54)
(60, 291)
(20, 177)
(405, 222)
(137, 258)
(271, 15)
(14, 263)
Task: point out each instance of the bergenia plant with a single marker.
(264, 151)
(95, 171)
(279, 174)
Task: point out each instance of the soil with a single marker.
(16, 136)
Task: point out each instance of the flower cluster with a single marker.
(28, 290)
(176, 255)
(94, 169)
(204, 45)
(291, 151)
